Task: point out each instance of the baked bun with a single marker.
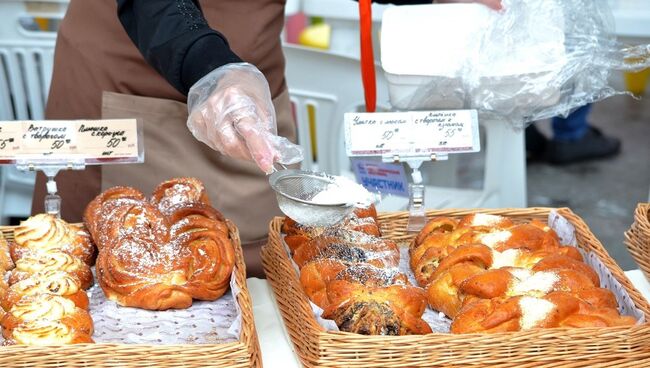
(45, 332)
(556, 309)
(6, 263)
(51, 260)
(46, 307)
(47, 232)
(179, 192)
(349, 246)
(162, 253)
(315, 276)
(49, 282)
(392, 310)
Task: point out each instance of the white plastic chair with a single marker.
(26, 59)
(332, 84)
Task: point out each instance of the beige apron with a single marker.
(99, 73)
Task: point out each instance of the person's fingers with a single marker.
(258, 143)
(230, 142)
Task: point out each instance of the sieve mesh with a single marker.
(295, 190)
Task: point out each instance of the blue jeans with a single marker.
(573, 127)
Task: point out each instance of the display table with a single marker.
(277, 350)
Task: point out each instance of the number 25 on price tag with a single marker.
(411, 133)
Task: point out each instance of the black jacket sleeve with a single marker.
(175, 39)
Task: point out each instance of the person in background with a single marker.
(574, 140)
(214, 66)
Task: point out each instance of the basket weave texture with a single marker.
(244, 353)
(588, 347)
(637, 238)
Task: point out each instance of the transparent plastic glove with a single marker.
(230, 110)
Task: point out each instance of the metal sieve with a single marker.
(295, 190)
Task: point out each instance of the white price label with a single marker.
(89, 141)
(412, 133)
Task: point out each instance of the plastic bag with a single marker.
(533, 60)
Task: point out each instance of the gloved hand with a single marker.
(230, 110)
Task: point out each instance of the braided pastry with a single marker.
(162, 253)
(46, 307)
(47, 232)
(49, 282)
(349, 246)
(315, 276)
(556, 309)
(491, 275)
(45, 332)
(390, 310)
(51, 260)
(362, 219)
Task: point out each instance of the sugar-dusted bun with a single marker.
(44, 332)
(163, 253)
(51, 260)
(179, 192)
(6, 263)
(49, 282)
(49, 307)
(391, 310)
(44, 232)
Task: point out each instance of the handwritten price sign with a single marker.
(90, 141)
(412, 133)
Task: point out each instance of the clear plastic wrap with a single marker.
(530, 61)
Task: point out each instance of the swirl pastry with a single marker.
(46, 232)
(162, 253)
(52, 260)
(44, 332)
(315, 276)
(6, 263)
(49, 282)
(391, 310)
(46, 307)
(179, 192)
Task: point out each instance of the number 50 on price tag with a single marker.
(411, 133)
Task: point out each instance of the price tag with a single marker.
(60, 141)
(411, 133)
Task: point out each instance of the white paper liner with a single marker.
(205, 322)
(440, 323)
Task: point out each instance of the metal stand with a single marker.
(417, 213)
(51, 169)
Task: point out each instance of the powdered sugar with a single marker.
(345, 191)
(494, 238)
(533, 311)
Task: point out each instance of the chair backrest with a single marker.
(27, 38)
(331, 84)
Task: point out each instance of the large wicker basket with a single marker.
(244, 353)
(637, 238)
(589, 347)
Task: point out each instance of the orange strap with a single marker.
(367, 57)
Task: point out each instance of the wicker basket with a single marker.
(244, 353)
(637, 238)
(589, 347)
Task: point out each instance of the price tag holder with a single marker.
(62, 142)
(413, 133)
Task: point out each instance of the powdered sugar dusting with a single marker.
(533, 311)
(494, 238)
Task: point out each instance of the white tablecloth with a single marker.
(277, 350)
